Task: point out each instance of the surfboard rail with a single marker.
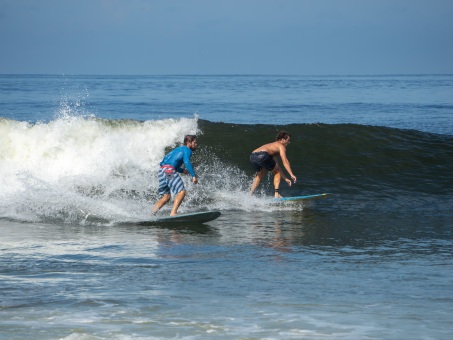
(301, 198)
(196, 217)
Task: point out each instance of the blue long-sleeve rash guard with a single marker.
(179, 156)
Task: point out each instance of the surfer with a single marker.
(265, 158)
(169, 179)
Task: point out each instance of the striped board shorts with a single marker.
(169, 180)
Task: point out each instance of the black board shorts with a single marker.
(262, 159)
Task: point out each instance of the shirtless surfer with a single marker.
(265, 158)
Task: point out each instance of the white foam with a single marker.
(78, 161)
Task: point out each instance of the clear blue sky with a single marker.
(295, 37)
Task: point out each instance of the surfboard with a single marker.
(301, 198)
(197, 217)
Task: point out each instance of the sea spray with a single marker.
(74, 164)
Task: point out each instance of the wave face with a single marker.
(90, 170)
(349, 157)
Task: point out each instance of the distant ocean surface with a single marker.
(78, 164)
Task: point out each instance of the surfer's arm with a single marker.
(279, 170)
(286, 163)
(187, 163)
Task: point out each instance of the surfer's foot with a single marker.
(277, 194)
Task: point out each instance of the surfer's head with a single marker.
(282, 135)
(191, 142)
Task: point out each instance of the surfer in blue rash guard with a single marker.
(169, 179)
(265, 158)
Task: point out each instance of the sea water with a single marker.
(78, 163)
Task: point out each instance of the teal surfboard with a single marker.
(301, 198)
(197, 217)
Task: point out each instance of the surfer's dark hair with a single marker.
(189, 139)
(283, 135)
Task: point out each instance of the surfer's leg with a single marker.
(259, 175)
(160, 203)
(163, 190)
(277, 180)
(178, 200)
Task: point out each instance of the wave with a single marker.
(347, 156)
(85, 169)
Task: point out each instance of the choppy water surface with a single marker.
(241, 276)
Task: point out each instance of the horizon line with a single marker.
(227, 74)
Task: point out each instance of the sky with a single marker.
(284, 37)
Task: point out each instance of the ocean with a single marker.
(78, 164)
